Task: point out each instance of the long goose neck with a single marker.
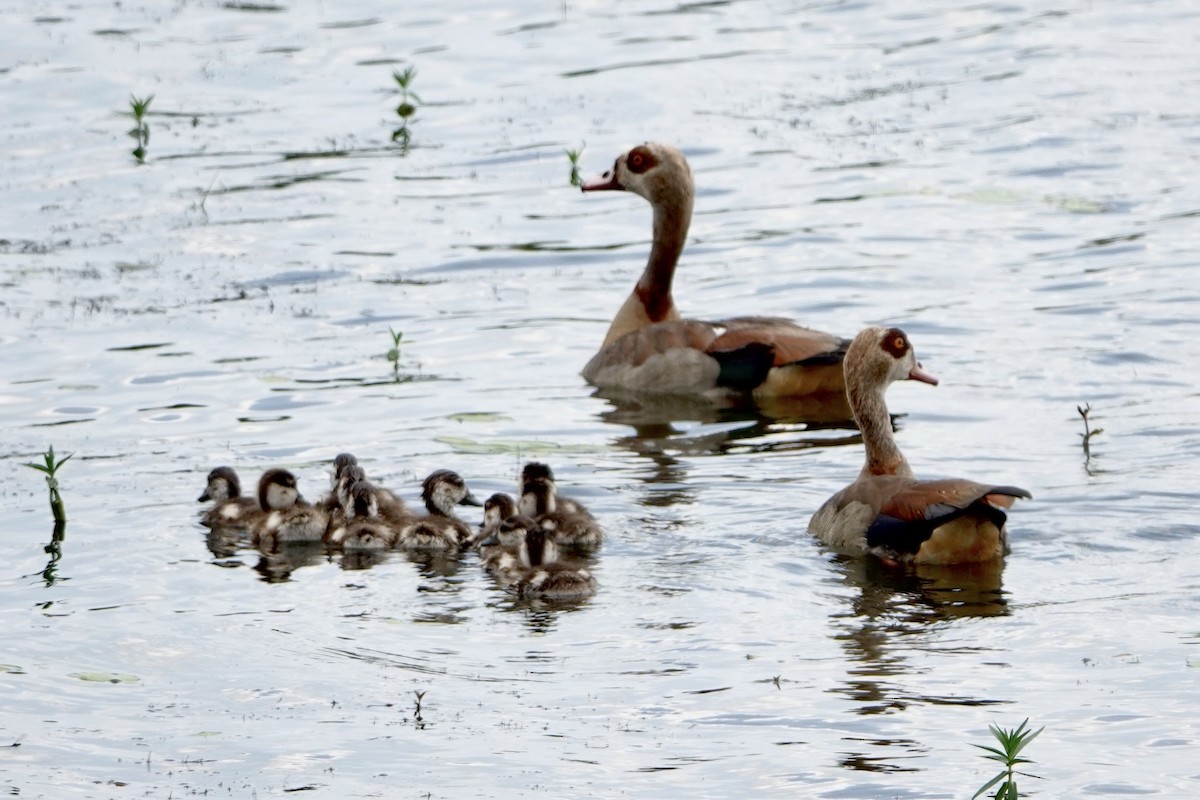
(651, 299)
(871, 414)
(671, 223)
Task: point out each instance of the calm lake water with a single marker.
(1013, 184)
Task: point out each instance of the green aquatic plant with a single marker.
(407, 106)
(393, 353)
(1084, 410)
(50, 467)
(573, 156)
(140, 131)
(418, 720)
(1011, 742)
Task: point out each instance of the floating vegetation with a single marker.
(407, 106)
(106, 677)
(140, 130)
(573, 156)
(1012, 742)
(1088, 432)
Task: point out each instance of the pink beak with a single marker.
(918, 374)
(606, 181)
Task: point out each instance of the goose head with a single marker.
(445, 489)
(538, 548)
(362, 499)
(496, 509)
(277, 490)
(340, 462)
(537, 497)
(655, 171)
(879, 356)
(349, 475)
(222, 484)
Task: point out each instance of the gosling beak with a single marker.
(469, 500)
(204, 498)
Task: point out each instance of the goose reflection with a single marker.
(667, 428)
(894, 614)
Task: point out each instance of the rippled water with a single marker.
(1012, 184)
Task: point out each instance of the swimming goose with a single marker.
(439, 529)
(363, 527)
(496, 509)
(535, 470)
(543, 576)
(346, 472)
(501, 550)
(887, 511)
(230, 509)
(650, 348)
(578, 529)
(288, 517)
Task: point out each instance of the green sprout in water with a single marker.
(393, 353)
(574, 155)
(50, 467)
(140, 130)
(418, 720)
(1084, 410)
(407, 107)
(1012, 742)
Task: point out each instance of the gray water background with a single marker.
(1013, 184)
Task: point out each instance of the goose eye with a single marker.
(639, 160)
(896, 343)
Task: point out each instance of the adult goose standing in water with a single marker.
(887, 511)
(650, 348)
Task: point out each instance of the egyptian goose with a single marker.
(496, 509)
(439, 530)
(575, 528)
(287, 517)
(362, 526)
(536, 470)
(887, 511)
(500, 551)
(649, 348)
(230, 509)
(543, 576)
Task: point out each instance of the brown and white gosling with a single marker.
(287, 517)
(543, 576)
(496, 509)
(230, 509)
(363, 528)
(439, 530)
(577, 529)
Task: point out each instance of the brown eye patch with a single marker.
(640, 159)
(896, 342)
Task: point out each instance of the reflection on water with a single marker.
(1011, 193)
(662, 434)
(894, 610)
(277, 566)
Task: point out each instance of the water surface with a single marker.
(1011, 184)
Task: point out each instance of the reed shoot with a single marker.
(1011, 742)
(50, 468)
(138, 107)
